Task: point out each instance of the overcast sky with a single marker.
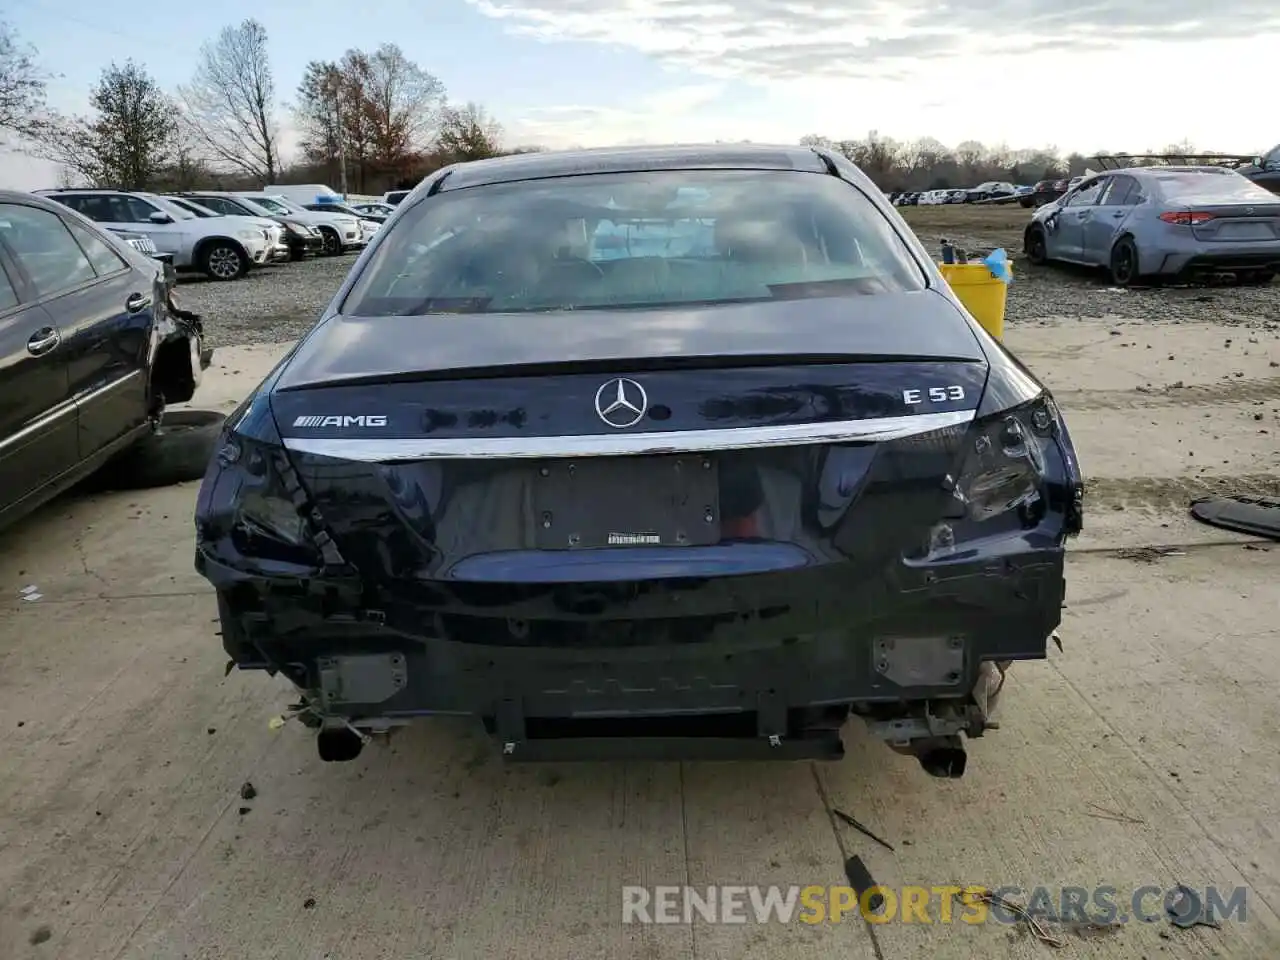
(1108, 74)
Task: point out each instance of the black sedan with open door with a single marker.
(666, 452)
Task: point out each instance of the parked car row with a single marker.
(993, 191)
(223, 235)
(1046, 191)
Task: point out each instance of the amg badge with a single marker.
(363, 420)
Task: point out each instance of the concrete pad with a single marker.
(1195, 441)
(1117, 354)
(1150, 712)
(133, 839)
(234, 373)
(768, 826)
(131, 842)
(122, 544)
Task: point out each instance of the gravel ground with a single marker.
(280, 303)
(270, 305)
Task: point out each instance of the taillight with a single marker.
(1186, 219)
(252, 504)
(1016, 468)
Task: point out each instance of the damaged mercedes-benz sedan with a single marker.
(659, 452)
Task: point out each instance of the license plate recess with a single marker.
(658, 501)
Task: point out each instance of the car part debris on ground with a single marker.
(1259, 516)
(865, 831)
(1149, 554)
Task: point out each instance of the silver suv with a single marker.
(222, 248)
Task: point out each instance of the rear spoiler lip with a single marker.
(608, 366)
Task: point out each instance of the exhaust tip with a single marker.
(339, 746)
(946, 761)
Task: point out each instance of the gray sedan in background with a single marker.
(1147, 224)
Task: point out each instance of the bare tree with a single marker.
(318, 114)
(357, 126)
(927, 164)
(130, 141)
(372, 113)
(969, 155)
(468, 133)
(22, 84)
(315, 111)
(400, 105)
(816, 140)
(1001, 156)
(188, 168)
(231, 102)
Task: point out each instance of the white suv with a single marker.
(278, 251)
(341, 232)
(222, 248)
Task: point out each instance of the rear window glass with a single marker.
(634, 240)
(1210, 185)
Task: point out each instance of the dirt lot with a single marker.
(1141, 753)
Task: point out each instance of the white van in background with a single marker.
(303, 193)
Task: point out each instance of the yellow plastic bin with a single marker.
(981, 291)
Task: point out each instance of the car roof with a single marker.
(41, 200)
(718, 156)
(74, 190)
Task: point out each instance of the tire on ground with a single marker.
(217, 256)
(178, 452)
(1035, 246)
(1124, 265)
(332, 242)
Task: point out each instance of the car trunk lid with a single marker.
(620, 462)
(1218, 206)
(1236, 222)
(356, 350)
(727, 470)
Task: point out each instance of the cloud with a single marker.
(668, 115)
(786, 40)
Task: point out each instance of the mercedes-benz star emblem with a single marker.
(621, 403)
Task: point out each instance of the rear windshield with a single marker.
(1211, 186)
(634, 240)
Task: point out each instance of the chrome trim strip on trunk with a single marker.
(376, 450)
